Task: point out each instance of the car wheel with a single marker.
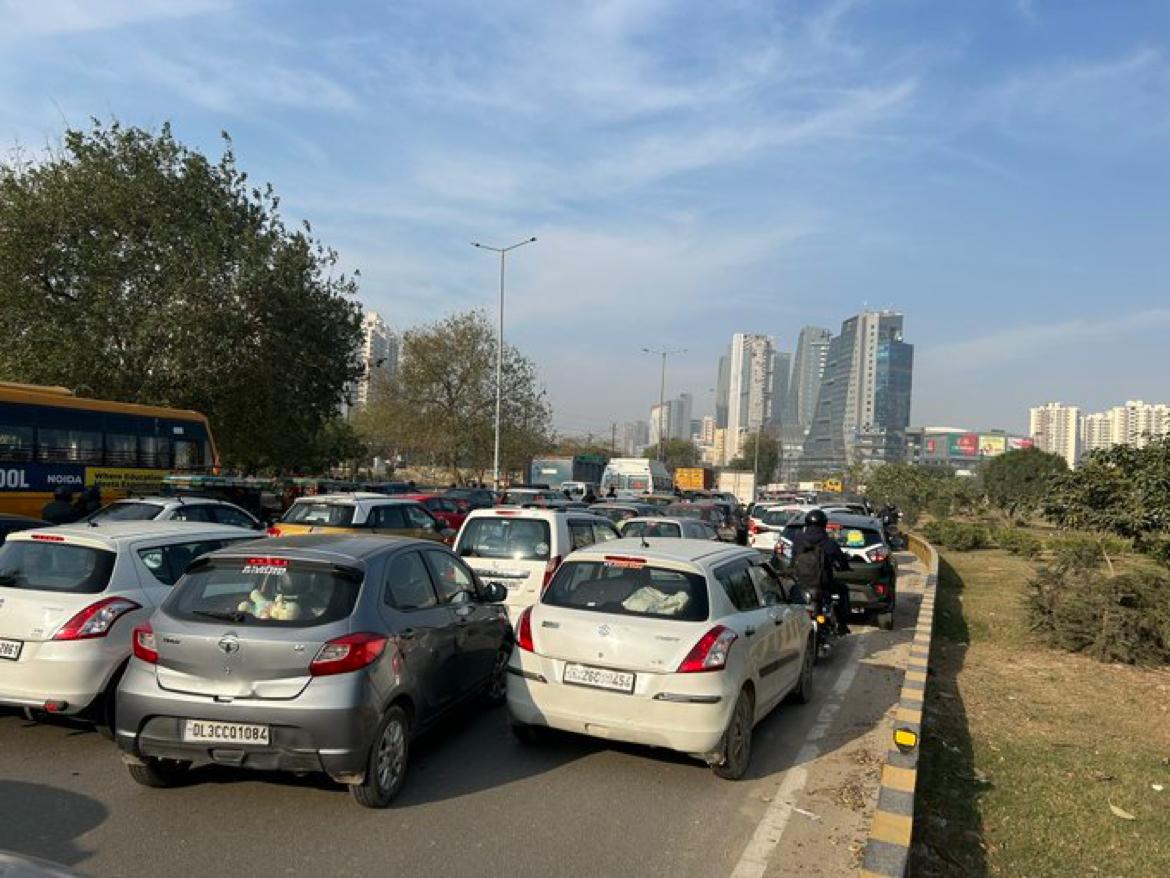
(102, 712)
(803, 692)
(886, 621)
(159, 773)
(386, 766)
(497, 684)
(736, 747)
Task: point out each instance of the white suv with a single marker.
(203, 510)
(69, 598)
(685, 645)
(521, 549)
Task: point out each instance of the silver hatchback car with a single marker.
(316, 653)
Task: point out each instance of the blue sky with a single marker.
(996, 169)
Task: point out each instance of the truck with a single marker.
(631, 477)
(741, 483)
(694, 478)
(555, 471)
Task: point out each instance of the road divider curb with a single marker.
(888, 849)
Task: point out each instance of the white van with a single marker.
(631, 477)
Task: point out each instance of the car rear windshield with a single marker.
(777, 517)
(328, 514)
(128, 512)
(275, 592)
(54, 566)
(690, 510)
(854, 537)
(626, 588)
(521, 539)
(651, 529)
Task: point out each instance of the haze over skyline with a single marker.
(995, 169)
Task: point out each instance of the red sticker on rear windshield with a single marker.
(631, 563)
(266, 566)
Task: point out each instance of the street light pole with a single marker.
(503, 251)
(662, 396)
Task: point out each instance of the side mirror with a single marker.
(494, 593)
(798, 596)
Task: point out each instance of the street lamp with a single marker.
(662, 395)
(503, 251)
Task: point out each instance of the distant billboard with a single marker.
(1018, 443)
(992, 446)
(963, 445)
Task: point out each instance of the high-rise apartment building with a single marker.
(863, 407)
(378, 355)
(781, 379)
(808, 367)
(1136, 423)
(722, 387)
(635, 437)
(707, 431)
(1055, 427)
(749, 387)
(674, 418)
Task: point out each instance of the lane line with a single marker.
(753, 862)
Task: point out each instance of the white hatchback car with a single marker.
(766, 527)
(70, 597)
(200, 510)
(686, 645)
(521, 549)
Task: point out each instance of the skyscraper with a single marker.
(863, 408)
(674, 418)
(749, 388)
(722, 388)
(1055, 427)
(378, 355)
(781, 379)
(812, 351)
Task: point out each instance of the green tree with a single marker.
(915, 488)
(679, 452)
(439, 408)
(133, 268)
(769, 457)
(1018, 481)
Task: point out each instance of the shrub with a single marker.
(1018, 542)
(958, 535)
(1124, 618)
(1158, 549)
(1076, 552)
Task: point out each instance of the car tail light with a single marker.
(880, 589)
(710, 653)
(349, 653)
(273, 531)
(524, 631)
(753, 528)
(549, 569)
(96, 620)
(144, 644)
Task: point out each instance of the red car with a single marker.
(443, 508)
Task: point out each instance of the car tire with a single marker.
(102, 712)
(529, 736)
(803, 693)
(885, 621)
(158, 773)
(386, 764)
(496, 691)
(735, 749)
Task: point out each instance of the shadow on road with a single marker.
(948, 833)
(44, 821)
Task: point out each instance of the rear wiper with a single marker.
(222, 615)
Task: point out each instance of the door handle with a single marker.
(749, 631)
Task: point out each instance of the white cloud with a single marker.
(52, 17)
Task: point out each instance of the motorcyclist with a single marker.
(812, 540)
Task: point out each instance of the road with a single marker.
(476, 801)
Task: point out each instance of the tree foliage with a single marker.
(915, 489)
(769, 458)
(678, 452)
(133, 268)
(1018, 481)
(1122, 490)
(439, 407)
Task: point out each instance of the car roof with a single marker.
(673, 550)
(355, 497)
(183, 500)
(117, 532)
(355, 547)
(848, 519)
(662, 518)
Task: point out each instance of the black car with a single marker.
(10, 524)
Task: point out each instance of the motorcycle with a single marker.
(825, 622)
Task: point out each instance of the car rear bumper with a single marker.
(328, 727)
(72, 673)
(687, 713)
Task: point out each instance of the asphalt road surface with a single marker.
(477, 802)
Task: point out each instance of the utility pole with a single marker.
(662, 397)
(503, 251)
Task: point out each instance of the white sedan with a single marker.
(686, 645)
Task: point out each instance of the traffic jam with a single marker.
(191, 630)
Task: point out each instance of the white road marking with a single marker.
(753, 862)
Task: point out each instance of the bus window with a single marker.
(121, 450)
(188, 454)
(155, 452)
(70, 445)
(16, 443)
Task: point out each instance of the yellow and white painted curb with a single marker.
(888, 848)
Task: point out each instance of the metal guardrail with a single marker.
(887, 851)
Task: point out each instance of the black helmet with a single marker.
(62, 493)
(816, 518)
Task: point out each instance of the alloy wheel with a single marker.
(391, 755)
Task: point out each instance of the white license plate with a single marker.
(10, 649)
(598, 678)
(210, 732)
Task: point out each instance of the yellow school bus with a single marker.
(50, 438)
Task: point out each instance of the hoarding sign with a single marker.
(963, 445)
(1019, 443)
(992, 446)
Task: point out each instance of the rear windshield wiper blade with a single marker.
(222, 615)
